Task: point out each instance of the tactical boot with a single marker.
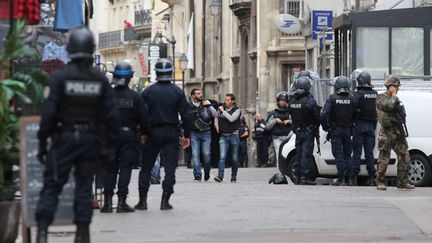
(142, 204)
(308, 182)
(82, 234)
(406, 186)
(206, 176)
(219, 178)
(350, 181)
(371, 181)
(107, 207)
(339, 182)
(123, 207)
(298, 180)
(42, 232)
(381, 186)
(165, 205)
(233, 179)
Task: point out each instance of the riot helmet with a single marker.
(122, 74)
(81, 43)
(278, 179)
(304, 73)
(392, 81)
(363, 78)
(164, 70)
(342, 85)
(302, 85)
(283, 95)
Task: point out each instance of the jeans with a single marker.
(200, 142)
(341, 145)
(225, 142)
(155, 172)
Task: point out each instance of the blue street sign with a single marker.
(322, 21)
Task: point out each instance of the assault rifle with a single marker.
(400, 119)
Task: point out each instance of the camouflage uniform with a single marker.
(390, 137)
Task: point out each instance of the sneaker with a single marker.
(381, 187)
(406, 186)
(233, 179)
(206, 176)
(218, 178)
(197, 178)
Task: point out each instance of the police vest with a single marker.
(125, 102)
(301, 115)
(201, 118)
(342, 110)
(228, 127)
(367, 104)
(280, 129)
(82, 93)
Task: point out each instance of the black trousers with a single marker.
(262, 150)
(122, 166)
(68, 153)
(243, 156)
(166, 140)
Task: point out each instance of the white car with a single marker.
(419, 124)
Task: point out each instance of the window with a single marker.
(407, 51)
(293, 7)
(373, 56)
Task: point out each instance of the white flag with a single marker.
(190, 51)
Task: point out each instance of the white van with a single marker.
(419, 124)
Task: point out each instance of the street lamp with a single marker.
(183, 66)
(158, 39)
(215, 7)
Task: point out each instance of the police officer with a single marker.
(365, 124)
(337, 119)
(279, 123)
(202, 115)
(132, 113)
(243, 134)
(391, 115)
(262, 141)
(164, 101)
(79, 100)
(305, 114)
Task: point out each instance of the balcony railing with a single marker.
(118, 37)
(143, 17)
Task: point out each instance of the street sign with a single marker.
(153, 56)
(322, 23)
(287, 23)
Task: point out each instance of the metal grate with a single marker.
(293, 7)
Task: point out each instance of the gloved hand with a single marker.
(42, 153)
(206, 102)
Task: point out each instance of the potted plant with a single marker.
(14, 87)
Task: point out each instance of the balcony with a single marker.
(241, 9)
(118, 37)
(143, 22)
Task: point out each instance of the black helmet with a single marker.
(283, 95)
(304, 73)
(164, 70)
(342, 85)
(278, 178)
(364, 79)
(302, 85)
(122, 74)
(81, 43)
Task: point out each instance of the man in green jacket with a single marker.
(391, 115)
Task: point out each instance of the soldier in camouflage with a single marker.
(391, 137)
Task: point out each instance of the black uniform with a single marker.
(164, 101)
(132, 113)
(263, 140)
(304, 113)
(79, 103)
(243, 156)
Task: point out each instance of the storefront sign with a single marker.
(287, 23)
